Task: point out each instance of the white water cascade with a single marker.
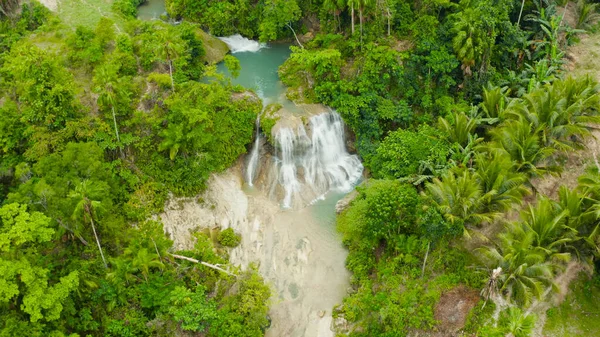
(252, 167)
(306, 167)
(239, 44)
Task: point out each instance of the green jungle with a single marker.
(476, 121)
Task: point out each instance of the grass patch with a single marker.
(579, 314)
(87, 13)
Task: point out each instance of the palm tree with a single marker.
(111, 89)
(362, 4)
(513, 322)
(520, 140)
(169, 47)
(351, 4)
(459, 197)
(470, 36)
(174, 139)
(563, 111)
(8, 8)
(495, 101)
(546, 221)
(587, 14)
(459, 129)
(498, 179)
(335, 7)
(86, 206)
(145, 260)
(524, 272)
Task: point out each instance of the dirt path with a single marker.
(50, 4)
(562, 282)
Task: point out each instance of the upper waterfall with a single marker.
(238, 44)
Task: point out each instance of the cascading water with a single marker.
(239, 44)
(306, 168)
(252, 167)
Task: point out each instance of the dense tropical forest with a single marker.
(462, 112)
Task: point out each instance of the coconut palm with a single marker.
(169, 47)
(520, 141)
(351, 4)
(85, 193)
(362, 5)
(335, 7)
(525, 272)
(459, 197)
(498, 179)
(547, 222)
(587, 14)
(459, 128)
(111, 90)
(513, 322)
(144, 260)
(495, 101)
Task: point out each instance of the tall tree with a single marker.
(525, 272)
(112, 93)
(86, 207)
(169, 47)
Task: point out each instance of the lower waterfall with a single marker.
(309, 163)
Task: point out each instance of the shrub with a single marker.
(228, 238)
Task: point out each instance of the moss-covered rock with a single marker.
(269, 119)
(215, 49)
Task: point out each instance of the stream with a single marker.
(294, 240)
(151, 9)
(285, 212)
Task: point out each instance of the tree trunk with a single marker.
(360, 18)
(425, 260)
(521, 12)
(296, 36)
(117, 130)
(96, 235)
(389, 17)
(203, 263)
(352, 15)
(171, 74)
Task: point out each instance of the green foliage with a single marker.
(24, 281)
(406, 153)
(228, 238)
(233, 65)
(127, 8)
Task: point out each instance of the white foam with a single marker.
(240, 44)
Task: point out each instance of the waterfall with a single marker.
(238, 44)
(253, 162)
(307, 167)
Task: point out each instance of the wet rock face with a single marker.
(344, 203)
(309, 158)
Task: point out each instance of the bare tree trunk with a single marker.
(156, 248)
(352, 15)
(425, 260)
(203, 263)
(117, 130)
(389, 17)
(96, 235)
(521, 12)
(171, 74)
(296, 36)
(85, 243)
(360, 18)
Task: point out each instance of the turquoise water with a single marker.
(151, 9)
(259, 73)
